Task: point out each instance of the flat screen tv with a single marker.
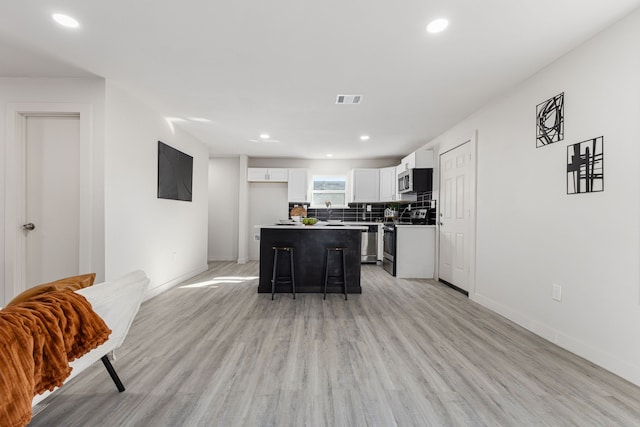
(175, 174)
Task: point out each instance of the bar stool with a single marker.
(282, 279)
(336, 280)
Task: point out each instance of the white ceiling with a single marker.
(276, 66)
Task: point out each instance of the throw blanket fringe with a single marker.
(38, 339)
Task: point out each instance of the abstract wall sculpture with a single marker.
(585, 170)
(550, 121)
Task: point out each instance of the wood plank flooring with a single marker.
(214, 352)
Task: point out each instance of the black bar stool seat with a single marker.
(283, 279)
(335, 280)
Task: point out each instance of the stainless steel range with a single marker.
(390, 239)
(418, 216)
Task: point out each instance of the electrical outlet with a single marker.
(556, 292)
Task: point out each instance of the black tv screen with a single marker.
(175, 174)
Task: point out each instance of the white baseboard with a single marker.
(610, 362)
(170, 284)
(219, 258)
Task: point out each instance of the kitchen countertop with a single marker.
(318, 226)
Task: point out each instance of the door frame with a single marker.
(14, 187)
(443, 149)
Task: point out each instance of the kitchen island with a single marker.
(310, 243)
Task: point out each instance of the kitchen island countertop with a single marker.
(318, 226)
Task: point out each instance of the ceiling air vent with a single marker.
(348, 99)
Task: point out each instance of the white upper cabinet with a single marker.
(417, 159)
(388, 184)
(365, 185)
(298, 187)
(267, 174)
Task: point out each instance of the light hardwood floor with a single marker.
(404, 352)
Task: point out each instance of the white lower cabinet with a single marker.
(415, 251)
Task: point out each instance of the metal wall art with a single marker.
(585, 170)
(550, 121)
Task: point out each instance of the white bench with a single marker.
(117, 302)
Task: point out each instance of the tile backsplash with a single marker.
(358, 211)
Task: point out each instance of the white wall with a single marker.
(46, 94)
(531, 234)
(223, 209)
(165, 238)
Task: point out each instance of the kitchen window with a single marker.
(329, 189)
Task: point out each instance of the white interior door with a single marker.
(52, 197)
(455, 215)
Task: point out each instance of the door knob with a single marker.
(29, 226)
(440, 223)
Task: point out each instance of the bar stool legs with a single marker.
(340, 279)
(283, 279)
(336, 279)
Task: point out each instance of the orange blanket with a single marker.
(38, 339)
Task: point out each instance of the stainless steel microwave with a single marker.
(415, 180)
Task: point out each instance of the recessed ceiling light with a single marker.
(329, 155)
(263, 140)
(199, 119)
(264, 135)
(65, 20)
(437, 25)
(365, 138)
